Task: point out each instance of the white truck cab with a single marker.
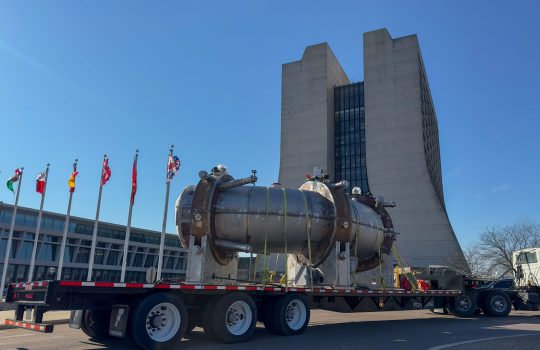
(526, 265)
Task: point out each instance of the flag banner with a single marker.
(71, 181)
(106, 173)
(40, 182)
(172, 167)
(134, 181)
(13, 179)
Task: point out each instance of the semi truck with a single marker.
(338, 255)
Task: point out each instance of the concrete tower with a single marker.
(307, 108)
(386, 125)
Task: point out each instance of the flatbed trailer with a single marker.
(329, 238)
(157, 316)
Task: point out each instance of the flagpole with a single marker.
(128, 230)
(94, 233)
(10, 237)
(38, 227)
(66, 228)
(164, 225)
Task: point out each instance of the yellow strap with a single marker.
(356, 230)
(285, 232)
(380, 264)
(308, 231)
(265, 258)
(255, 268)
(412, 280)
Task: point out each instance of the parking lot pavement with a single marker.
(382, 330)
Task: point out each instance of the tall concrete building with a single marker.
(380, 134)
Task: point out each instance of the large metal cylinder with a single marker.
(282, 220)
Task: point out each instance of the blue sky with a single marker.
(80, 79)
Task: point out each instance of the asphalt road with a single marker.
(328, 330)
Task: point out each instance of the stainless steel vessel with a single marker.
(307, 221)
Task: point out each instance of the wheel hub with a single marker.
(238, 318)
(295, 314)
(156, 321)
(464, 303)
(499, 304)
(162, 322)
(291, 311)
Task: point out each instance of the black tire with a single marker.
(95, 324)
(290, 314)
(234, 318)
(497, 304)
(267, 315)
(167, 323)
(206, 317)
(193, 320)
(463, 305)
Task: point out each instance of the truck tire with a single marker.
(95, 324)
(497, 304)
(463, 305)
(290, 315)
(159, 321)
(194, 320)
(206, 317)
(234, 318)
(267, 314)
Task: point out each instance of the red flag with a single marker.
(106, 172)
(134, 181)
(40, 182)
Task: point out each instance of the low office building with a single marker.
(143, 249)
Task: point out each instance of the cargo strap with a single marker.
(409, 276)
(308, 232)
(265, 253)
(286, 275)
(356, 231)
(381, 278)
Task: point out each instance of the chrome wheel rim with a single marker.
(499, 303)
(295, 314)
(163, 322)
(464, 303)
(238, 318)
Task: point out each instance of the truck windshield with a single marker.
(526, 258)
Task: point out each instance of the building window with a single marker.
(350, 135)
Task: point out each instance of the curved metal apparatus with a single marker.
(261, 219)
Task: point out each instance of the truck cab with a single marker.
(526, 267)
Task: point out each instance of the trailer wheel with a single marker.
(95, 323)
(464, 305)
(267, 315)
(194, 320)
(290, 314)
(497, 304)
(234, 318)
(159, 321)
(207, 316)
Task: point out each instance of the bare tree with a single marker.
(496, 244)
(477, 264)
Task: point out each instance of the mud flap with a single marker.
(119, 318)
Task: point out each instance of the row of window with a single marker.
(56, 225)
(79, 254)
(18, 273)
